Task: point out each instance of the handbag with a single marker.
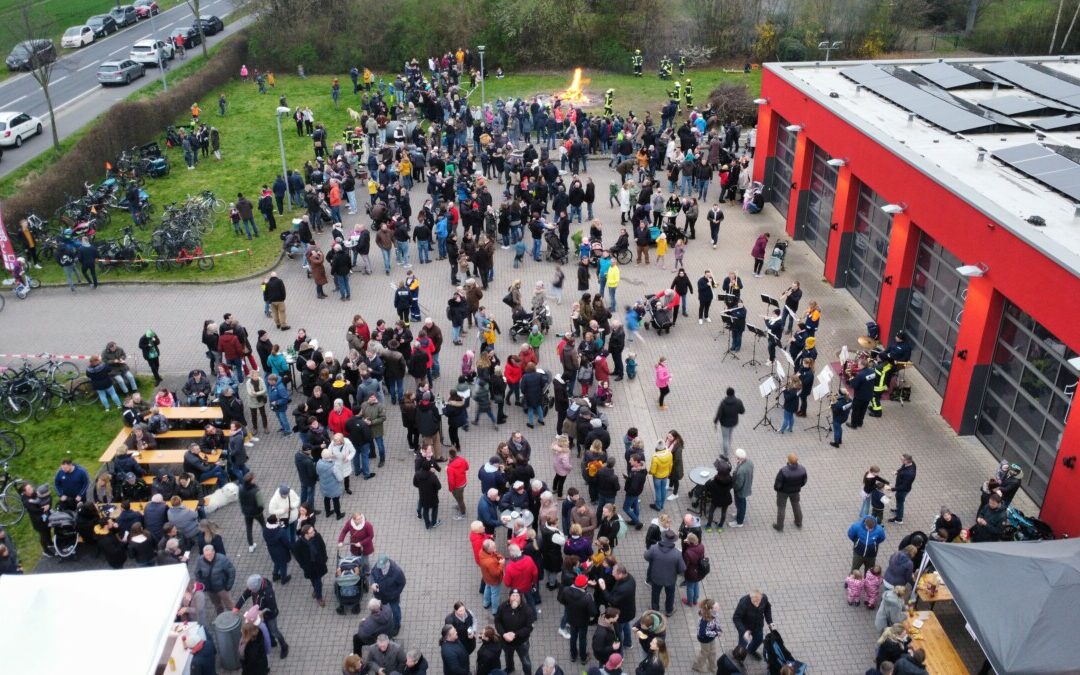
(705, 567)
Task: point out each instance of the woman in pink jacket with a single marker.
(663, 379)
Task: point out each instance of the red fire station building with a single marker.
(945, 196)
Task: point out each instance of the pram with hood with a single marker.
(775, 263)
(556, 252)
(350, 583)
(660, 316)
(65, 533)
(1019, 527)
(777, 655)
(523, 321)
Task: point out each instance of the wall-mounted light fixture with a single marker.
(893, 209)
(971, 271)
(888, 280)
(794, 128)
(962, 354)
(837, 162)
(834, 226)
(761, 101)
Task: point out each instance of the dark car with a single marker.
(125, 15)
(31, 53)
(191, 36)
(211, 25)
(103, 25)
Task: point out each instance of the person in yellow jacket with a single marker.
(613, 276)
(660, 470)
(661, 249)
(368, 79)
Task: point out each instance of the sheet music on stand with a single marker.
(845, 355)
(788, 358)
(767, 387)
(820, 390)
(825, 375)
(780, 370)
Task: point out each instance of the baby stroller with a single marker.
(660, 317)
(556, 251)
(523, 321)
(775, 263)
(1019, 527)
(777, 655)
(65, 534)
(350, 583)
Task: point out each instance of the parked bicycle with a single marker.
(12, 509)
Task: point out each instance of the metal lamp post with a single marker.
(829, 48)
(160, 52)
(481, 48)
(281, 111)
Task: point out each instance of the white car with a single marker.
(146, 51)
(16, 126)
(77, 36)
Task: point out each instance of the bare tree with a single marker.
(1057, 23)
(194, 6)
(975, 7)
(31, 29)
(1065, 40)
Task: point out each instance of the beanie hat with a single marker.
(581, 581)
(254, 582)
(614, 661)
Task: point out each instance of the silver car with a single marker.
(119, 72)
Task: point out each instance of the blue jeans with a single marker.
(385, 258)
(307, 494)
(575, 213)
(539, 413)
(660, 488)
(789, 422)
(423, 251)
(536, 249)
(455, 333)
(250, 228)
(837, 432)
(693, 592)
(351, 196)
(215, 472)
(380, 445)
(343, 286)
(755, 640)
(397, 389)
(632, 507)
(740, 509)
(105, 394)
(237, 367)
(283, 419)
(622, 631)
(703, 189)
(360, 461)
(441, 241)
(238, 471)
(516, 233)
(611, 294)
(589, 205)
(683, 301)
(402, 248)
(395, 609)
(900, 497)
(686, 185)
(669, 597)
(125, 382)
(736, 340)
(281, 569)
(435, 368)
(491, 596)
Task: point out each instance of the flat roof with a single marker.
(1006, 195)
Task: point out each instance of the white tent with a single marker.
(102, 621)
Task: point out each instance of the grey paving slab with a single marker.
(801, 570)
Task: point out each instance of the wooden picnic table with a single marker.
(941, 656)
(191, 413)
(170, 456)
(941, 593)
(138, 506)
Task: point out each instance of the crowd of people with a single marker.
(567, 508)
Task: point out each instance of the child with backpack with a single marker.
(855, 584)
(519, 253)
(585, 377)
(872, 586)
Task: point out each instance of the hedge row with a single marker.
(126, 124)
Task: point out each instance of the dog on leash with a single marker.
(353, 115)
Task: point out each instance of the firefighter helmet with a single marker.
(637, 51)
(610, 91)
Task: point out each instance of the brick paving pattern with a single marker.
(801, 570)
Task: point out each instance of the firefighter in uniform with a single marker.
(682, 66)
(899, 352)
(688, 91)
(676, 96)
(665, 68)
(637, 62)
(609, 98)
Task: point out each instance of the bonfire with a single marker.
(575, 93)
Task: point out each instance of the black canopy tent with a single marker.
(1021, 601)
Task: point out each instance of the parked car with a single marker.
(211, 24)
(119, 72)
(145, 8)
(191, 36)
(16, 126)
(103, 25)
(77, 36)
(146, 51)
(30, 53)
(125, 15)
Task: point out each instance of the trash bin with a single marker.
(227, 639)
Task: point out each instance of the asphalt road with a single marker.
(77, 96)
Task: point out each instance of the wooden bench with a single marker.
(169, 457)
(212, 481)
(141, 506)
(119, 443)
(185, 433)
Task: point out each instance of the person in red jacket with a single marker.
(338, 417)
(513, 372)
(601, 369)
(361, 536)
(521, 573)
(456, 472)
(233, 352)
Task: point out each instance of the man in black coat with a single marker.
(580, 611)
(280, 188)
(727, 416)
(310, 553)
(750, 617)
(275, 295)
(514, 621)
(607, 486)
(621, 594)
(308, 476)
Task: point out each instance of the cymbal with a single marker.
(867, 342)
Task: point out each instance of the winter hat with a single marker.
(581, 581)
(669, 535)
(254, 582)
(596, 423)
(283, 490)
(614, 661)
(518, 484)
(253, 615)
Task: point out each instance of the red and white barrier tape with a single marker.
(188, 258)
(78, 357)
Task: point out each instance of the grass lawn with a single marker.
(56, 16)
(83, 432)
(251, 155)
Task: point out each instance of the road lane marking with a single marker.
(11, 103)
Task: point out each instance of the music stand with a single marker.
(758, 333)
(766, 388)
(726, 321)
(770, 301)
(820, 392)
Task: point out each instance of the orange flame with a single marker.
(575, 94)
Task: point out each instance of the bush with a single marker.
(791, 49)
(127, 123)
(733, 102)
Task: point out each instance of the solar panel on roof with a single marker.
(937, 107)
(1024, 105)
(1044, 165)
(1058, 123)
(1041, 81)
(954, 76)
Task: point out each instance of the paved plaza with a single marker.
(801, 570)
